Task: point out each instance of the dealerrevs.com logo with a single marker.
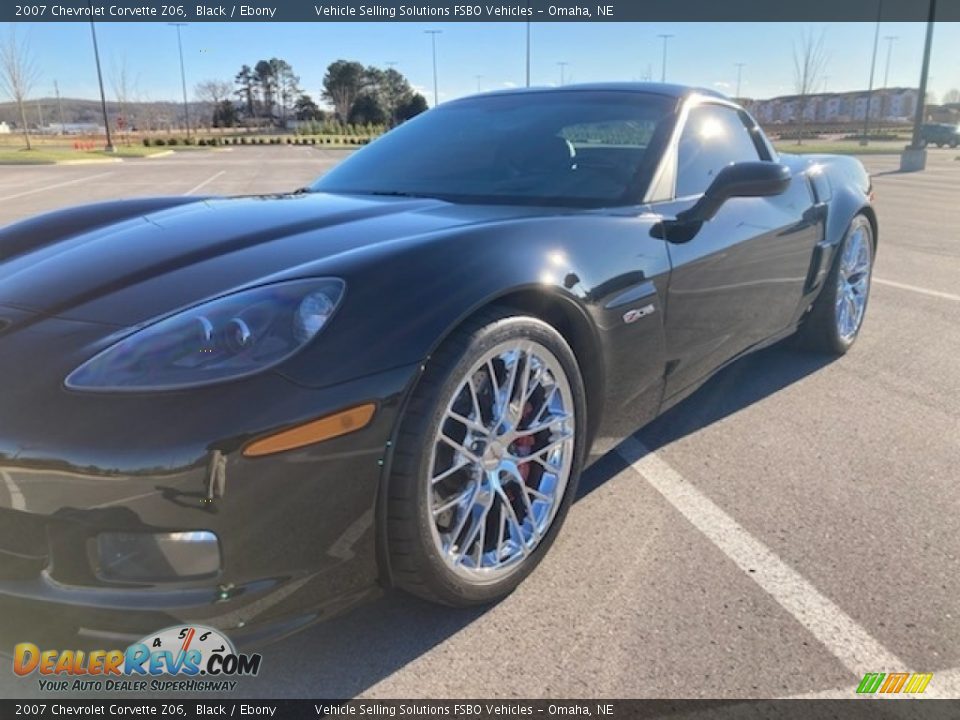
(198, 659)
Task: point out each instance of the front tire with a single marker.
(834, 322)
(487, 460)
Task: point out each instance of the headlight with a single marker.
(223, 339)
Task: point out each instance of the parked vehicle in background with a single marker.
(940, 134)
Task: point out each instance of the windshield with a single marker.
(578, 148)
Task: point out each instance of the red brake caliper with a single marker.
(524, 446)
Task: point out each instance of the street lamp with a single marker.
(739, 77)
(183, 77)
(914, 157)
(103, 98)
(528, 54)
(433, 39)
(479, 82)
(873, 66)
(563, 66)
(663, 71)
(891, 39)
(886, 72)
(63, 125)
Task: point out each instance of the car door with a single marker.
(739, 280)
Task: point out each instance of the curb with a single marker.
(165, 153)
(87, 161)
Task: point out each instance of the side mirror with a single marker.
(744, 179)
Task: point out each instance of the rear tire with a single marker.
(487, 460)
(834, 322)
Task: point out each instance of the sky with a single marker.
(702, 54)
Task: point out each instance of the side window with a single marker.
(713, 137)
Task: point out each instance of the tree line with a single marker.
(269, 94)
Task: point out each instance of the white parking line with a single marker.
(209, 180)
(914, 288)
(54, 186)
(16, 496)
(850, 644)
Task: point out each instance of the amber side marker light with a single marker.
(315, 431)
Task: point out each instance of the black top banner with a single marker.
(504, 11)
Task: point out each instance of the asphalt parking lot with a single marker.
(793, 525)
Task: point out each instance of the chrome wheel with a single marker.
(853, 281)
(501, 460)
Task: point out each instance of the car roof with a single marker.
(676, 91)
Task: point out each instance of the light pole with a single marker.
(103, 98)
(891, 39)
(873, 66)
(663, 71)
(914, 157)
(886, 71)
(528, 54)
(739, 78)
(563, 66)
(183, 77)
(479, 82)
(433, 39)
(63, 125)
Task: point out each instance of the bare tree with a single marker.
(124, 86)
(951, 96)
(213, 93)
(809, 62)
(18, 73)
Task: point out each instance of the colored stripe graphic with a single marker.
(870, 683)
(918, 682)
(894, 682)
(910, 683)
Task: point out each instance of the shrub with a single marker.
(159, 142)
(172, 142)
(188, 141)
(146, 142)
(313, 141)
(243, 141)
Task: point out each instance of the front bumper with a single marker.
(296, 530)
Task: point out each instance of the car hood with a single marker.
(127, 263)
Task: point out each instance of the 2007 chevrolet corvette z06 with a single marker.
(252, 411)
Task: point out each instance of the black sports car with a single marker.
(250, 412)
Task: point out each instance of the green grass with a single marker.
(841, 147)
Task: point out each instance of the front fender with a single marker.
(403, 299)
